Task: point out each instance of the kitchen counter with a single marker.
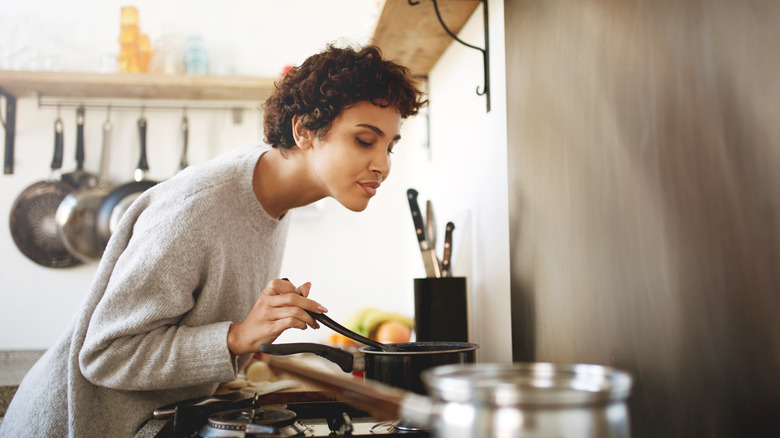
(14, 364)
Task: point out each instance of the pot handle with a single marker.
(344, 359)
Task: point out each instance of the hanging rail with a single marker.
(142, 106)
(485, 52)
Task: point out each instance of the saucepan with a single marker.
(116, 203)
(400, 368)
(397, 364)
(493, 400)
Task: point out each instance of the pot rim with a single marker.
(528, 384)
(434, 347)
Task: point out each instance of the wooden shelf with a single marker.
(408, 34)
(411, 34)
(135, 86)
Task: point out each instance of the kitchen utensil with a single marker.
(76, 216)
(118, 201)
(79, 177)
(493, 400)
(185, 132)
(9, 125)
(338, 328)
(441, 309)
(32, 223)
(446, 260)
(396, 368)
(430, 224)
(543, 399)
(430, 261)
(383, 402)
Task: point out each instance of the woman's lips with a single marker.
(370, 187)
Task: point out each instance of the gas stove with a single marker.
(297, 419)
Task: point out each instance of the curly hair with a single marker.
(330, 81)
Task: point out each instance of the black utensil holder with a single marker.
(441, 309)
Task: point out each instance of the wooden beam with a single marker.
(412, 35)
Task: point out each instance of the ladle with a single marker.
(338, 328)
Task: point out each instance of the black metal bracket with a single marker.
(485, 52)
(9, 124)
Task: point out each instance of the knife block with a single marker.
(440, 309)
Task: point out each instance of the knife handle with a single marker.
(446, 268)
(417, 218)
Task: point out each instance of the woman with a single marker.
(187, 287)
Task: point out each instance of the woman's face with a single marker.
(353, 158)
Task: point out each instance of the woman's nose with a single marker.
(381, 164)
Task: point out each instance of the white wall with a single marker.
(468, 175)
(353, 260)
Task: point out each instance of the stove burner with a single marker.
(406, 425)
(238, 418)
(241, 422)
(398, 427)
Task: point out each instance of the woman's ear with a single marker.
(303, 136)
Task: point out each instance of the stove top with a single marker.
(301, 419)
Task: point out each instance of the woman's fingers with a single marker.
(281, 306)
(279, 286)
(290, 306)
(303, 289)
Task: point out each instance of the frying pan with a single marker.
(33, 228)
(77, 214)
(118, 201)
(79, 177)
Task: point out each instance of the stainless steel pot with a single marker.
(524, 400)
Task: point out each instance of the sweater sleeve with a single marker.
(135, 339)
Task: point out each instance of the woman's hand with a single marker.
(280, 306)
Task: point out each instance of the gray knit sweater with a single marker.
(190, 256)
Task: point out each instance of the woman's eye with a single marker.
(362, 142)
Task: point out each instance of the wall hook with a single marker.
(9, 125)
(485, 52)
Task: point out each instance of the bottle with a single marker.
(129, 59)
(196, 61)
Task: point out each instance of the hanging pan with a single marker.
(185, 134)
(118, 201)
(77, 214)
(33, 227)
(79, 177)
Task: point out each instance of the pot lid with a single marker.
(527, 384)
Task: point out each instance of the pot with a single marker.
(494, 400)
(400, 369)
(121, 197)
(526, 399)
(77, 214)
(32, 222)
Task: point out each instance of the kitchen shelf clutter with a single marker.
(409, 35)
(408, 31)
